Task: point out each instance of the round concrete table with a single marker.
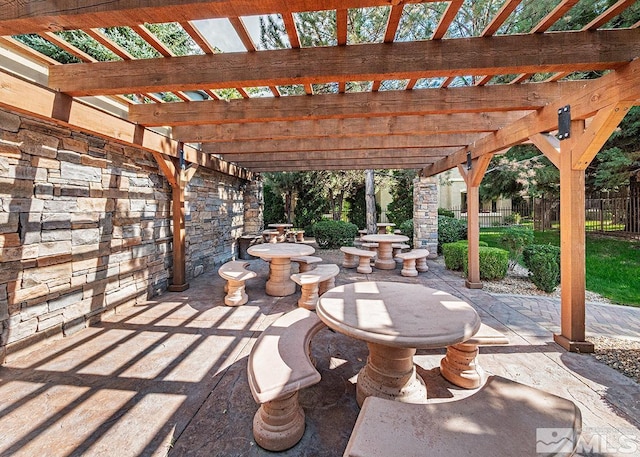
(382, 227)
(280, 227)
(279, 283)
(395, 319)
(385, 260)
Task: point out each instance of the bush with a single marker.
(512, 219)
(543, 262)
(456, 253)
(406, 228)
(445, 212)
(450, 230)
(493, 263)
(333, 234)
(515, 239)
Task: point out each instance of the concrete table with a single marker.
(281, 227)
(385, 260)
(382, 227)
(395, 319)
(279, 283)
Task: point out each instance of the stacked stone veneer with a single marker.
(85, 227)
(425, 214)
(254, 206)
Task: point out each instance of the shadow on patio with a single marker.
(170, 377)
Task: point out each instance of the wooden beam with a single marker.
(349, 127)
(339, 155)
(501, 16)
(361, 104)
(548, 145)
(609, 14)
(18, 16)
(29, 98)
(554, 15)
(447, 18)
(595, 95)
(392, 23)
(596, 135)
(412, 141)
(197, 37)
(593, 50)
(333, 164)
(341, 26)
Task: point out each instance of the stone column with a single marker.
(425, 214)
(253, 207)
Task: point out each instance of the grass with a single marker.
(612, 265)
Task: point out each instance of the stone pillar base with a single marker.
(279, 424)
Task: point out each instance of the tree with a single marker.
(401, 188)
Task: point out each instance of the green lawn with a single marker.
(613, 265)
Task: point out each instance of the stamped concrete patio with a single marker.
(169, 377)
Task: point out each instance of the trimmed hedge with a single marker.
(450, 230)
(543, 262)
(456, 253)
(333, 234)
(493, 263)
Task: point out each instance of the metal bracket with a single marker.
(469, 160)
(564, 122)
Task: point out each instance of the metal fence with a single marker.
(612, 215)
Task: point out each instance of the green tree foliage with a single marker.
(273, 206)
(401, 189)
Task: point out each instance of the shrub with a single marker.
(445, 212)
(450, 230)
(543, 262)
(493, 263)
(515, 239)
(456, 253)
(406, 228)
(512, 219)
(333, 234)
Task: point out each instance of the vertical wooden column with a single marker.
(572, 156)
(473, 178)
(178, 214)
(572, 247)
(178, 177)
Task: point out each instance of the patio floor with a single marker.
(169, 376)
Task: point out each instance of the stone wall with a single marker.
(85, 227)
(425, 214)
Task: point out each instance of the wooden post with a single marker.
(572, 247)
(178, 177)
(473, 178)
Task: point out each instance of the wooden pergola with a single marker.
(433, 129)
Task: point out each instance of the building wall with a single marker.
(85, 227)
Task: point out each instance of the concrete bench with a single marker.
(410, 261)
(270, 236)
(500, 420)
(314, 283)
(236, 274)
(460, 365)
(397, 248)
(306, 262)
(361, 257)
(361, 233)
(279, 366)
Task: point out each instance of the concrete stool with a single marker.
(236, 275)
(311, 283)
(364, 257)
(306, 262)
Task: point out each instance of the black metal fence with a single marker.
(611, 215)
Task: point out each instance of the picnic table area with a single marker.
(170, 376)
